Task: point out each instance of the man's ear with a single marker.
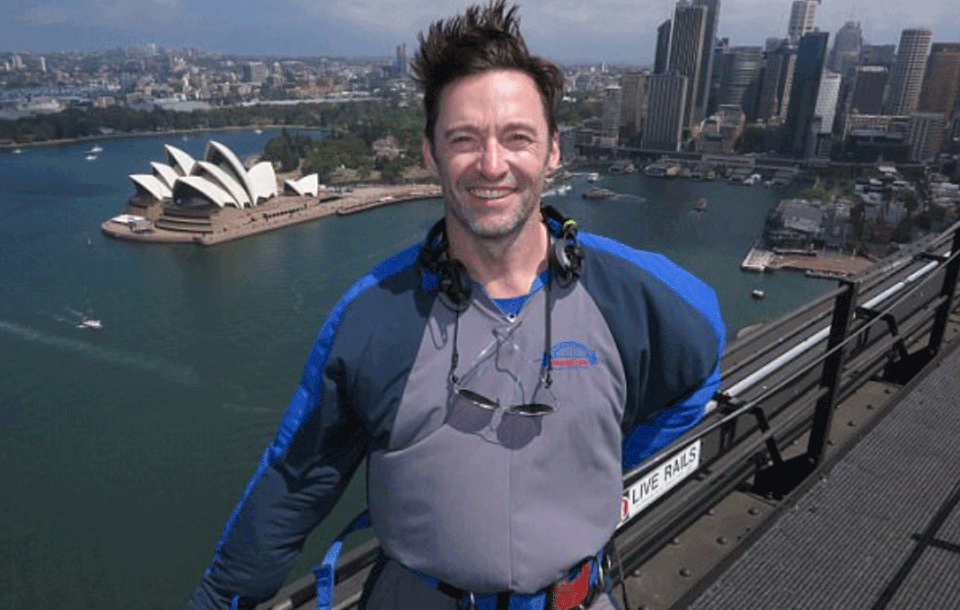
(427, 151)
(553, 159)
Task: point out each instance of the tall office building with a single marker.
(633, 108)
(254, 72)
(803, 18)
(804, 91)
(610, 125)
(740, 84)
(866, 91)
(941, 83)
(845, 53)
(827, 100)
(664, 125)
(907, 74)
(402, 59)
(706, 58)
(878, 55)
(925, 135)
(776, 79)
(686, 50)
(661, 62)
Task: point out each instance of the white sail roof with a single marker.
(189, 189)
(148, 184)
(165, 173)
(224, 180)
(308, 185)
(179, 160)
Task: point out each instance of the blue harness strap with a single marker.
(325, 571)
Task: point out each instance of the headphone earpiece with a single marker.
(567, 256)
(453, 280)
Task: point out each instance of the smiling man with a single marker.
(499, 377)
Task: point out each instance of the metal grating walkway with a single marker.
(880, 531)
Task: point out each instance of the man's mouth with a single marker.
(489, 192)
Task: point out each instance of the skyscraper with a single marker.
(866, 93)
(811, 55)
(633, 108)
(827, 100)
(610, 126)
(706, 57)
(741, 79)
(661, 62)
(402, 59)
(803, 18)
(907, 74)
(776, 79)
(686, 50)
(664, 125)
(941, 83)
(846, 47)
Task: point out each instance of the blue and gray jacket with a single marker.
(486, 500)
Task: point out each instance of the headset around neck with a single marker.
(453, 280)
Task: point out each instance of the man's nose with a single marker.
(492, 160)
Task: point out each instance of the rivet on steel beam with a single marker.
(753, 511)
(852, 423)
(675, 541)
(684, 572)
(722, 540)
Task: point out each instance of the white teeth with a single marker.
(489, 193)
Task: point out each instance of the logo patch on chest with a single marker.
(572, 355)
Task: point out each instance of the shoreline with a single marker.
(228, 224)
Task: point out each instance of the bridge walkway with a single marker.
(877, 527)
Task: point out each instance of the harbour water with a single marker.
(125, 449)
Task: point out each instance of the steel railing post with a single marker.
(947, 291)
(843, 312)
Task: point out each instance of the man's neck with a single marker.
(506, 268)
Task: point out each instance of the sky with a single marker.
(565, 31)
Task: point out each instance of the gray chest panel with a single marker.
(490, 500)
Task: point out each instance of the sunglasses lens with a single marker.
(478, 399)
(532, 409)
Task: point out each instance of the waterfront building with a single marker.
(804, 92)
(941, 83)
(741, 79)
(610, 124)
(633, 108)
(721, 130)
(776, 79)
(925, 135)
(687, 39)
(803, 18)
(908, 68)
(664, 125)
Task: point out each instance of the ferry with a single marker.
(758, 294)
(598, 193)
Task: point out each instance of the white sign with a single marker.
(659, 481)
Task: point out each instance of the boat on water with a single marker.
(623, 167)
(598, 193)
(758, 294)
(91, 157)
(95, 149)
(90, 323)
(701, 205)
(258, 131)
(17, 151)
(560, 190)
(593, 177)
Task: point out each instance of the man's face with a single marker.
(492, 152)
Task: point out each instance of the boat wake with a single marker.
(179, 374)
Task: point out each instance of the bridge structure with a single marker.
(704, 520)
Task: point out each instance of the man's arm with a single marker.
(318, 446)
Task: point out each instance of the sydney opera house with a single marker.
(214, 195)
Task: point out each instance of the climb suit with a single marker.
(485, 499)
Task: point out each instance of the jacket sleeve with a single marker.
(301, 475)
(681, 367)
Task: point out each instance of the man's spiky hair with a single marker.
(483, 38)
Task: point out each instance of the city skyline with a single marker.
(617, 31)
